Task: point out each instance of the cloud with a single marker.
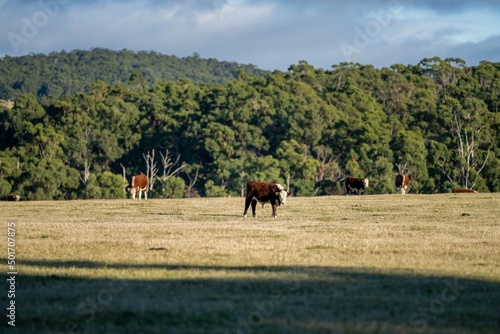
(452, 7)
(488, 49)
(272, 34)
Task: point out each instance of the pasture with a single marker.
(337, 264)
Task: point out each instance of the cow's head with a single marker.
(365, 183)
(132, 190)
(281, 194)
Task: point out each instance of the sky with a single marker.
(270, 34)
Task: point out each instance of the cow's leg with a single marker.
(350, 189)
(275, 206)
(254, 206)
(145, 194)
(248, 200)
(133, 194)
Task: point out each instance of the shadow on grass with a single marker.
(263, 299)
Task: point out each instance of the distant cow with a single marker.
(13, 198)
(138, 184)
(354, 183)
(402, 182)
(263, 193)
(459, 191)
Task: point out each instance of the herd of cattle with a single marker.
(360, 184)
(264, 192)
(275, 194)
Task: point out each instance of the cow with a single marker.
(138, 184)
(402, 182)
(459, 191)
(13, 198)
(264, 192)
(354, 183)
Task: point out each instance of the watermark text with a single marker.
(31, 25)
(11, 273)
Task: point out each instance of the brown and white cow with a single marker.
(263, 192)
(138, 184)
(13, 198)
(354, 183)
(402, 182)
(460, 191)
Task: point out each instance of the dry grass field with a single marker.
(356, 264)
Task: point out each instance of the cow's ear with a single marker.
(288, 194)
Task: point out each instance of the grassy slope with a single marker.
(383, 264)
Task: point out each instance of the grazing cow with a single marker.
(13, 198)
(354, 183)
(263, 193)
(138, 184)
(459, 191)
(402, 182)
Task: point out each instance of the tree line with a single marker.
(68, 73)
(306, 128)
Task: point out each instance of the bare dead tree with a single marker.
(242, 178)
(151, 170)
(168, 165)
(328, 169)
(125, 181)
(192, 181)
(124, 173)
(403, 168)
(467, 147)
(86, 172)
(85, 155)
(288, 177)
(443, 169)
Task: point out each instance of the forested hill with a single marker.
(306, 128)
(63, 72)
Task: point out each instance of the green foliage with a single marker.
(9, 165)
(174, 187)
(91, 189)
(305, 128)
(67, 73)
(5, 188)
(213, 190)
(48, 180)
(111, 185)
(409, 148)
